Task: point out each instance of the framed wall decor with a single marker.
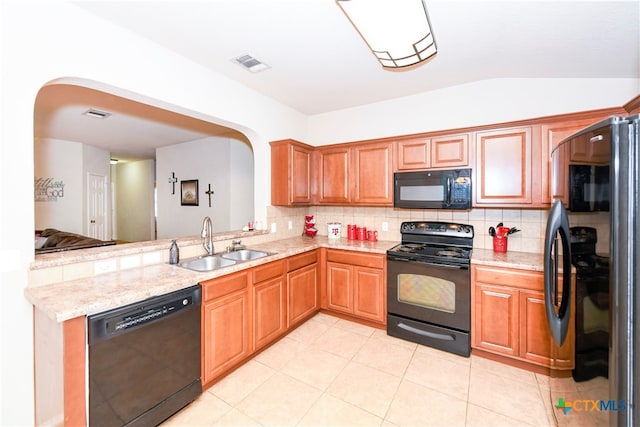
(189, 192)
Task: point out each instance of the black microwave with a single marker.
(433, 189)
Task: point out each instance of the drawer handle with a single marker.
(442, 337)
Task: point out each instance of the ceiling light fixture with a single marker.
(113, 161)
(398, 32)
(96, 114)
(251, 63)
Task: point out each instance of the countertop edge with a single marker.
(112, 290)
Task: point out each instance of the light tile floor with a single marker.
(332, 372)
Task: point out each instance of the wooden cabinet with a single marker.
(358, 175)
(509, 318)
(373, 176)
(503, 167)
(446, 151)
(333, 175)
(291, 173)
(495, 319)
(356, 284)
(269, 303)
(302, 287)
(226, 325)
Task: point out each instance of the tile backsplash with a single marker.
(531, 222)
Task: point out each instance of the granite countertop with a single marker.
(521, 260)
(66, 300)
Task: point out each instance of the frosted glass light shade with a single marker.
(398, 32)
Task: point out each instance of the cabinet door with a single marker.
(333, 175)
(450, 151)
(369, 289)
(535, 339)
(225, 331)
(503, 167)
(340, 287)
(291, 173)
(372, 174)
(300, 175)
(495, 319)
(302, 293)
(413, 154)
(269, 315)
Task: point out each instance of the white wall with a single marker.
(45, 41)
(480, 103)
(134, 198)
(242, 184)
(223, 162)
(63, 162)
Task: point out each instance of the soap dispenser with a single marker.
(174, 253)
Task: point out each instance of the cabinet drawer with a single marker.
(532, 280)
(356, 258)
(299, 261)
(267, 271)
(218, 287)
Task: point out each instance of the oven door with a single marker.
(438, 294)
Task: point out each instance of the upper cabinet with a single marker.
(357, 175)
(373, 175)
(511, 163)
(291, 173)
(447, 151)
(333, 175)
(505, 168)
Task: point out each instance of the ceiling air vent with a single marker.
(251, 63)
(96, 114)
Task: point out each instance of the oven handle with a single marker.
(442, 337)
(433, 264)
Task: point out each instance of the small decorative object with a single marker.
(174, 253)
(310, 226)
(172, 181)
(351, 232)
(334, 230)
(209, 192)
(189, 192)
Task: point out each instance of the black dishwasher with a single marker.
(144, 360)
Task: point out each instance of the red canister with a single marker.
(351, 232)
(361, 232)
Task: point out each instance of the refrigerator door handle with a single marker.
(558, 224)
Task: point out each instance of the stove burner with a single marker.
(409, 247)
(450, 253)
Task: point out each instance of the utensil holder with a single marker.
(500, 243)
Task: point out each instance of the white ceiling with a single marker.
(319, 63)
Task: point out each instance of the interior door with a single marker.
(97, 206)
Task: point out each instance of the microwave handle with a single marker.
(448, 191)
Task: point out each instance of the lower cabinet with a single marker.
(226, 324)
(244, 312)
(509, 318)
(269, 303)
(356, 284)
(303, 294)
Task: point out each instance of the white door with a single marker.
(97, 206)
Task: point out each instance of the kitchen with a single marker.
(56, 43)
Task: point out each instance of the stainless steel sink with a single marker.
(206, 263)
(244, 255)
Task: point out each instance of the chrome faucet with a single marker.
(207, 235)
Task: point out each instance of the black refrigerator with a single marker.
(595, 187)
